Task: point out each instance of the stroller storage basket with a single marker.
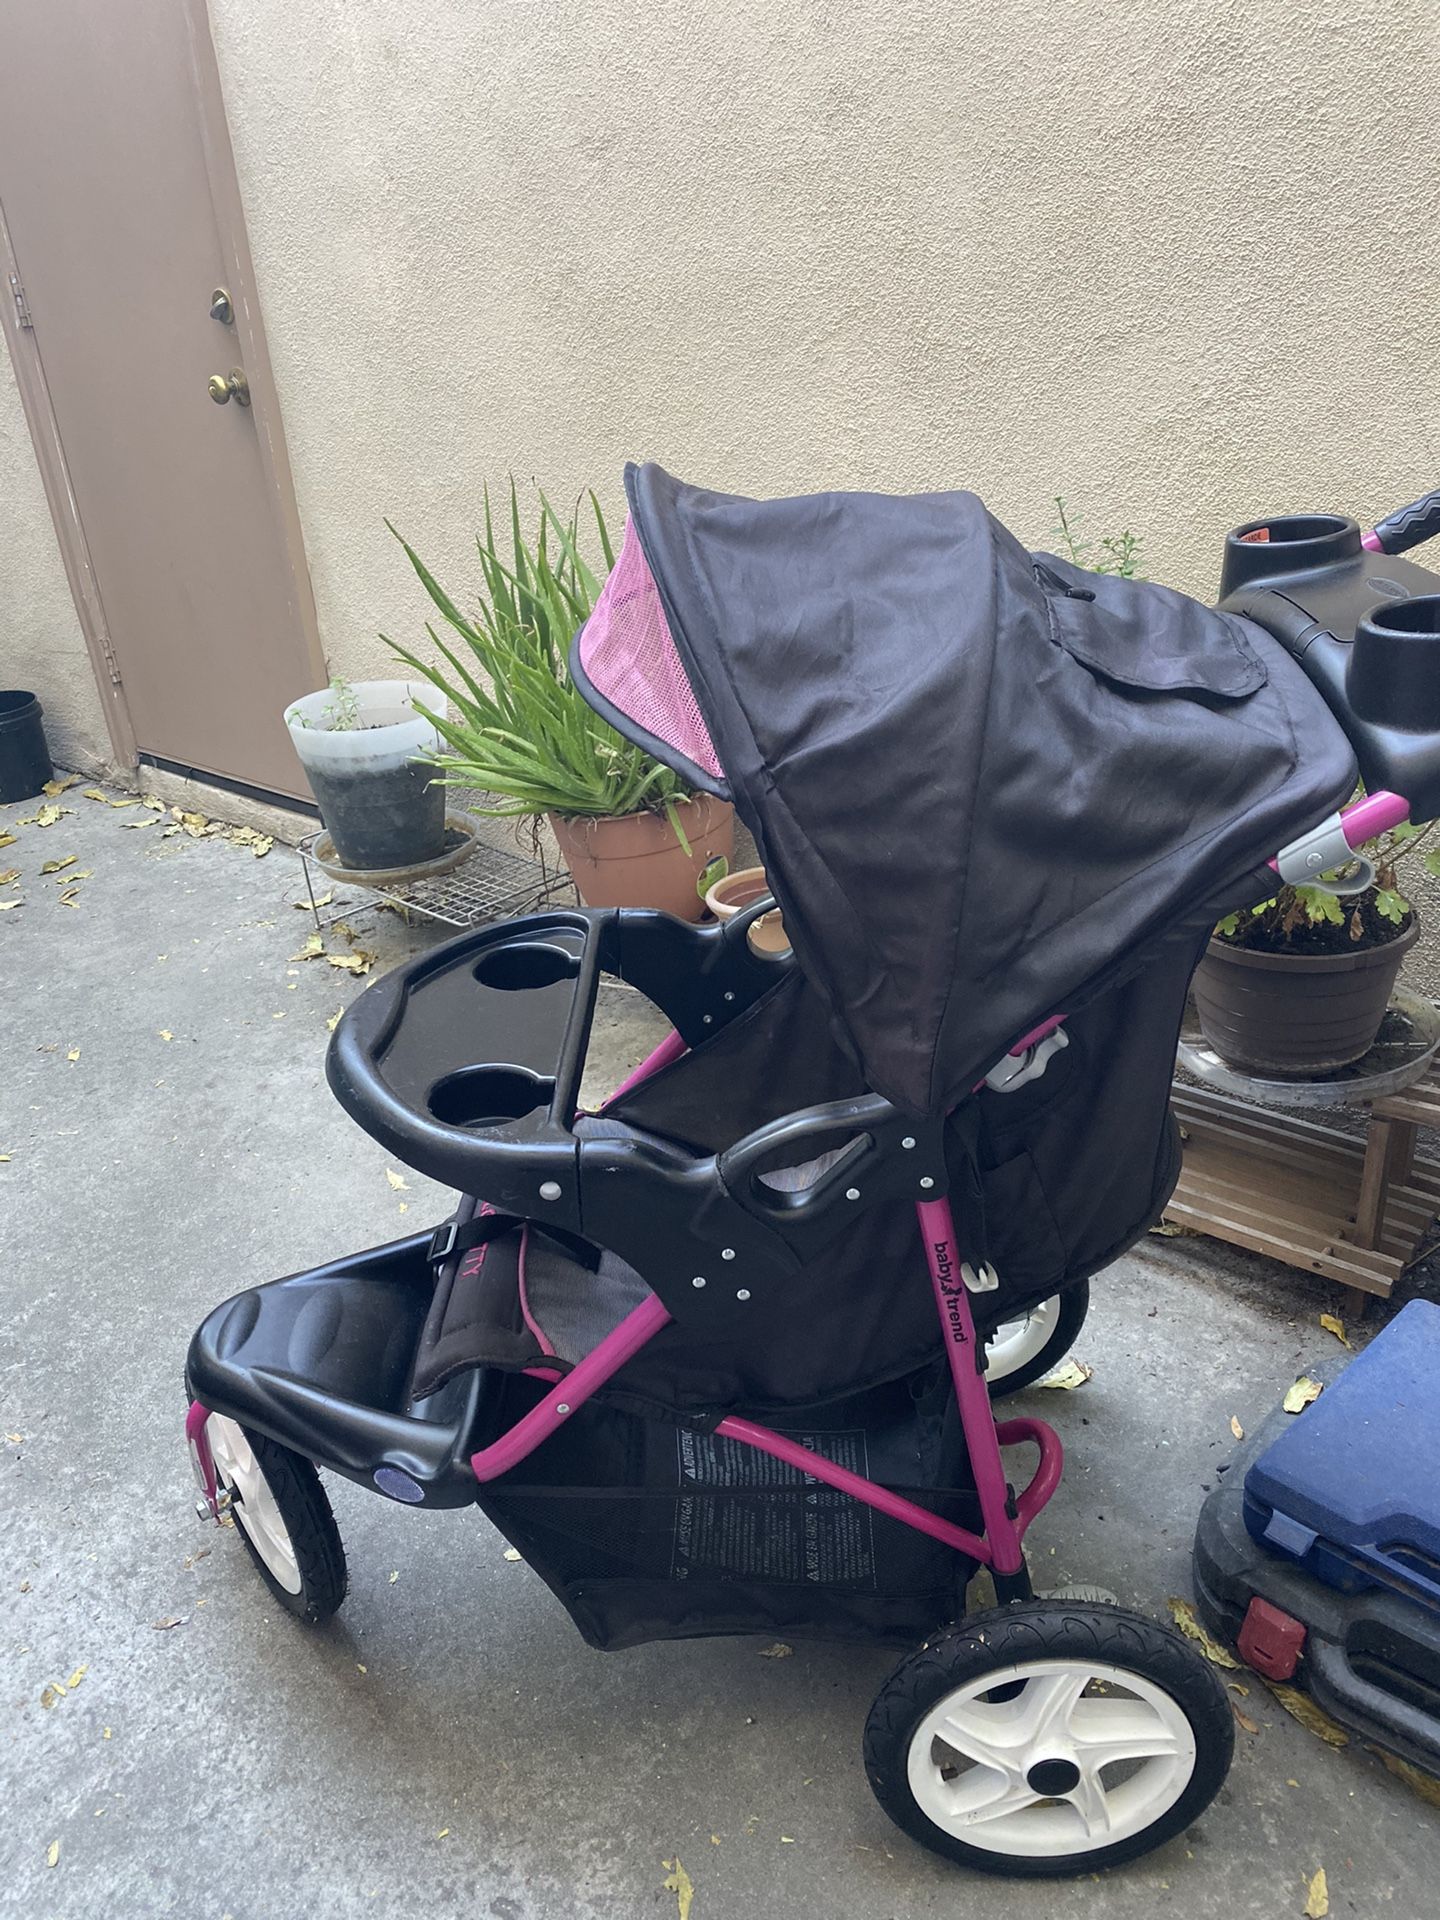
(651, 1531)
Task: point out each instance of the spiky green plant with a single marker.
(517, 726)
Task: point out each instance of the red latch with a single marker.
(1270, 1641)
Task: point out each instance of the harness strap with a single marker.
(458, 1237)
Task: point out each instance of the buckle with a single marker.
(442, 1242)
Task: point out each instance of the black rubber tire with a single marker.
(1047, 1630)
(1074, 1306)
(305, 1508)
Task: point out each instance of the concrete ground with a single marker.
(448, 1746)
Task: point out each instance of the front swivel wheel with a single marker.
(283, 1516)
(1049, 1738)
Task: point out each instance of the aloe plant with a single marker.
(517, 726)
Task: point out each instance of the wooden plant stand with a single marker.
(1351, 1210)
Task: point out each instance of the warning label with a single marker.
(743, 1516)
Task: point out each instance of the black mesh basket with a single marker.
(652, 1531)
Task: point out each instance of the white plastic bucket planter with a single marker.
(383, 806)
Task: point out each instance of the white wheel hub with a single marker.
(1015, 1343)
(1051, 1757)
(254, 1504)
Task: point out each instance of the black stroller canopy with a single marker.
(982, 784)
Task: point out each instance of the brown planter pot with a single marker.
(1288, 1016)
(636, 861)
(740, 890)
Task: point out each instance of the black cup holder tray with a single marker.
(466, 1064)
(1366, 628)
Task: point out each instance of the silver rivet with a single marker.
(728, 996)
(727, 1253)
(743, 1294)
(707, 1019)
(852, 1193)
(698, 1281)
(563, 1407)
(926, 1181)
(908, 1141)
(549, 1189)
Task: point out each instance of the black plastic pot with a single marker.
(24, 757)
(380, 820)
(1289, 1016)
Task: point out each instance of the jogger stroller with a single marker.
(712, 1356)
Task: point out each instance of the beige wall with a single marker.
(41, 646)
(1179, 261)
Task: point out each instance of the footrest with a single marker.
(323, 1362)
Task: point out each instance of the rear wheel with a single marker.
(1049, 1739)
(283, 1515)
(1024, 1350)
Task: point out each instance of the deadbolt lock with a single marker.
(230, 386)
(221, 307)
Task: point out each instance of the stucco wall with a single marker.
(41, 646)
(1178, 261)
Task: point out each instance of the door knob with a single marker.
(221, 308)
(230, 386)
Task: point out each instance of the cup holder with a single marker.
(1286, 543)
(1393, 675)
(488, 1096)
(522, 966)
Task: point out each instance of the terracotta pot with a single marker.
(738, 890)
(636, 861)
(1289, 1016)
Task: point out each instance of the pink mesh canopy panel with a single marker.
(628, 656)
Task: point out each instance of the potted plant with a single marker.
(364, 748)
(727, 894)
(1297, 986)
(513, 725)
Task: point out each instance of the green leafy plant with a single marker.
(517, 726)
(712, 874)
(341, 716)
(1312, 920)
(1116, 553)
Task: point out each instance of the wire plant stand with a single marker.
(492, 882)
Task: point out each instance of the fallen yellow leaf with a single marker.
(358, 962)
(1236, 1428)
(678, 1882)
(1302, 1708)
(46, 817)
(76, 1677)
(7, 905)
(1299, 1396)
(397, 1180)
(166, 1034)
(119, 803)
(7, 839)
(321, 900)
(444, 1831)
(1250, 1726)
(137, 823)
(153, 801)
(1425, 1784)
(56, 787)
(512, 1553)
(1317, 1897)
(1070, 1373)
(781, 1650)
(1183, 1614)
(49, 1695)
(52, 1856)
(10, 873)
(1333, 1324)
(1171, 1230)
(313, 949)
(69, 899)
(57, 866)
(335, 1019)
(73, 1055)
(94, 793)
